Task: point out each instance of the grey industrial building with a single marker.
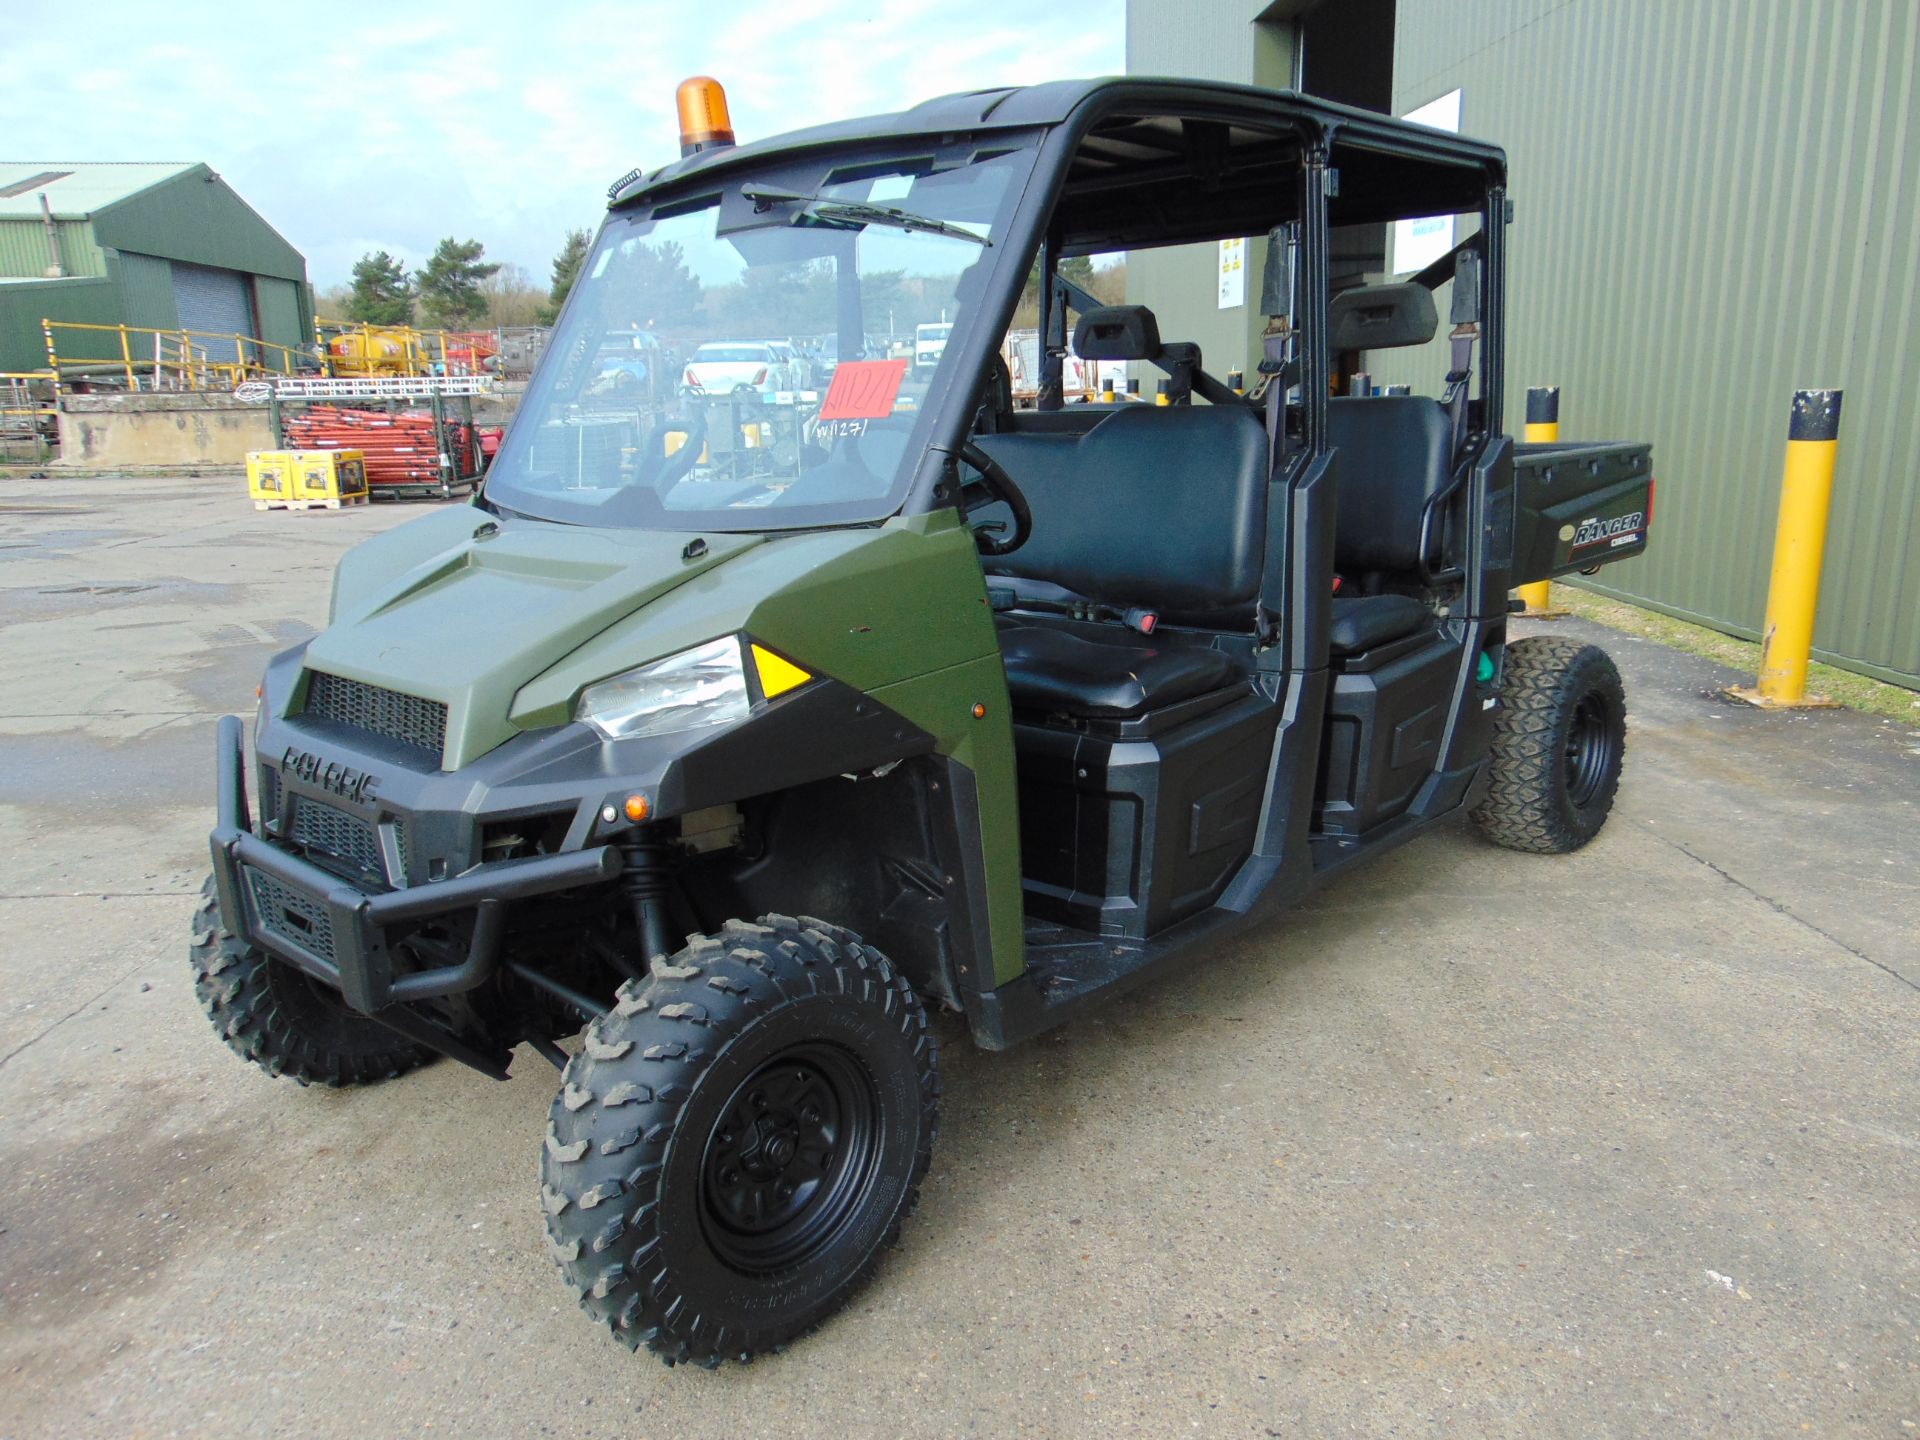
(1715, 204)
(159, 246)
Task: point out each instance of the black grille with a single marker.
(340, 835)
(291, 915)
(406, 718)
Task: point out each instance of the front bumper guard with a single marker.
(358, 962)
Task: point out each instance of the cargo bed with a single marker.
(1579, 505)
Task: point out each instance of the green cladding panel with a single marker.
(25, 252)
(277, 310)
(196, 217)
(146, 290)
(25, 303)
(1715, 205)
(1246, 42)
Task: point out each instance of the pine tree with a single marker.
(450, 295)
(381, 294)
(566, 270)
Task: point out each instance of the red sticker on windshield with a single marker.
(863, 389)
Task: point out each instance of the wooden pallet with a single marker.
(333, 502)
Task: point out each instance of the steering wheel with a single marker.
(999, 488)
(677, 466)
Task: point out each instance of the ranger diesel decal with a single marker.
(1620, 530)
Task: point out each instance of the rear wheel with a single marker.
(282, 1020)
(739, 1138)
(1558, 744)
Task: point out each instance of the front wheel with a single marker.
(281, 1020)
(739, 1139)
(1558, 745)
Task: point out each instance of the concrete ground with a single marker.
(1625, 1143)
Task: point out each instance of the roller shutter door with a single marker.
(214, 302)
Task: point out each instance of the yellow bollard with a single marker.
(1799, 546)
(1543, 427)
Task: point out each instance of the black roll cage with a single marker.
(1394, 168)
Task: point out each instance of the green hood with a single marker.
(464, 609)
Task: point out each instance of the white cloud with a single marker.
(500, 121)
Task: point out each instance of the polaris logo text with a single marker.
(1621, 530)
(330, 775)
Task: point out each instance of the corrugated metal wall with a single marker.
(1716, 203)
(1238, 41)
(23, 305)
(278, 304)
(146, 290)
(199, 219)
(23, 249)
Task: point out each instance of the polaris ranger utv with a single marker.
(740, 726)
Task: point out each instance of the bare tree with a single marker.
(511, 297)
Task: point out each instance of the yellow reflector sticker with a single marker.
(777, 676)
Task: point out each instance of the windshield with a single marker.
(753, 357)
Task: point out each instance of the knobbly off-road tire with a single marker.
(739, 1138)
(271, 1014)
(1558, 742)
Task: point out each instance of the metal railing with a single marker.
(28, 410)
(143, 358)
(139, 357)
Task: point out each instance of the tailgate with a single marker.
(1579, 506)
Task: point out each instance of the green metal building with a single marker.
(1715, 204)
(159, 246)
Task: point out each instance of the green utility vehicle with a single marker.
(743, 725)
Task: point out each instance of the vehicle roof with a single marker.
(1052, 103)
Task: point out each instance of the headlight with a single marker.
(696, 688)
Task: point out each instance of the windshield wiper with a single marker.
(856, 213)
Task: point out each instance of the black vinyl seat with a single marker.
(1365, 621)
(1161, 509)
(1396, 454)
(1056, 673)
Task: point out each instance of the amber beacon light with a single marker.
(704, 122)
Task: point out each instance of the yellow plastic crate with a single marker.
(269, 477)
(329, 477)
(306, 479)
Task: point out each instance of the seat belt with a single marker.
(1465, 314)
(1276, 303)
(1273, 365)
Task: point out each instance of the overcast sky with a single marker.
(353, 126)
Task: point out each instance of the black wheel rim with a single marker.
(790, 1159)
(1592, 743)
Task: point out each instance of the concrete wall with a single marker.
(132, 432)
